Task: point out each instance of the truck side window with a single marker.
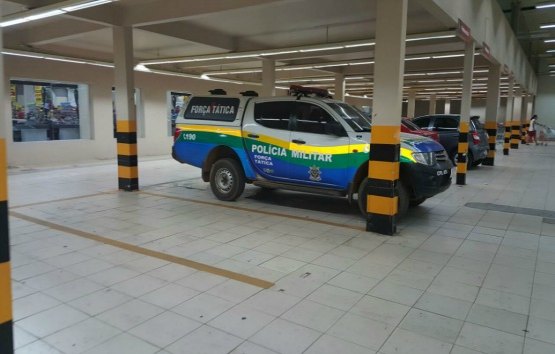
(274, 115)
(311, 118)
(447, 123)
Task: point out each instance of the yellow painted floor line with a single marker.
(60, 200)
(235, 207)
(144, 251)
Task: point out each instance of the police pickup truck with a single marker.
(301, 143)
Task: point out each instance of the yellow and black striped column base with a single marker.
(383, 178)
(128, 170)
(524, 133)
(462, 150)
(6, 324)
(491, 129)
(507, 138)
(515, 135)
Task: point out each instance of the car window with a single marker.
(476, 124)
(409, 124)
(274, 115)
(422, 122)
(356, 120)
(310, 118)
(447, 123)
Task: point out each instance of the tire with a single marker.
(402, 207)
(227, 179)
(417, 201)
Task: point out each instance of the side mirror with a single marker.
(335, 128)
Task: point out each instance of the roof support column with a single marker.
(128, 170)
(492, 108)
(523, 115)
(433, 101)
(268, 77)
(509, 117)
(383, 169)
(465, 112)
(6, 316)
(340, 87)
(447, 108)
(517, 111)
(411, 106)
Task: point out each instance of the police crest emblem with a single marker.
(315, 174)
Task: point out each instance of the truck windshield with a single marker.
(355, 119)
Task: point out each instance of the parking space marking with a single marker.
(144, 251)
(60, 200)
(271, 213)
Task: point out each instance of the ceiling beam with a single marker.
(48, 33)
(153, 13)
(193, 33)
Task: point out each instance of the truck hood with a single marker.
(411, 142)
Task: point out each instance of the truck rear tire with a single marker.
(227, 179)
(402, 207)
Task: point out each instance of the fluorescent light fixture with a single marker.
(550, 51)
(66, 60)
(549, 41)
(45, 15)
(13, 22)
(23, 55)
(548, 25)
(280, 52)
(49, 11)
(552, 65)
(329, 65)
(443, 73)
(85, 5)
(320, 49)
(141, 67)
(360, 45)
(417, 58)
(447, 56)
(362, 63)
(545, 5)
(241, 56)
(295, 68)
(430, 37)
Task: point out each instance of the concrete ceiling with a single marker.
(166, 29)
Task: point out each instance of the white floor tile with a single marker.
(285, 337)
(205, 340)
(164, 329)
(407, 342)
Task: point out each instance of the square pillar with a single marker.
(411, 105)
(339, 87)
(126, 117)
(515, 126)
(447, 109)
(509, 118)
(383, 167)
(492, 110)
(433, 101)
(268, 77)
(465, 112)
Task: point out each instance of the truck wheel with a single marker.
(227, 180)
(402, 207)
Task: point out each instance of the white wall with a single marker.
(102, 144)
(545, 100)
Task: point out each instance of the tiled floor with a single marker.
(455, 280)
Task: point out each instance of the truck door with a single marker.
(266, 136)
(319, 157)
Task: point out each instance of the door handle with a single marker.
(254, 136)
(297, 141)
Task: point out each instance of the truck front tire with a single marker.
(227, 179)
(402, 207)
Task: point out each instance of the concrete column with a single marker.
(447, 109)
(432, 109)
(6, 316)
(128, 170)
(268, 77)
(465, 112)
(411, 106)
(508, 118)
(523, 117)
(339, 87)
(383, 167)
(492, 110)
(515, 126)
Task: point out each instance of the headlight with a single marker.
(425, 158)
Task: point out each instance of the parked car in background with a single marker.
(407, 126)
(447, 127)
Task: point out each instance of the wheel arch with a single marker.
(219, 152)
